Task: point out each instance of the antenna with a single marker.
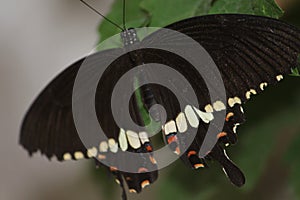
(96, 11)
(124, 15)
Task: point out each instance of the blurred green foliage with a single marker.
(269, 142)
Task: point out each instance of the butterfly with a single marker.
(251, 53)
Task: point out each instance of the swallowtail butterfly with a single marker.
(251, 53)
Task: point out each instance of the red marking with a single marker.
(222, 134)
(199, 165)
(113, 169)
(177, 151)
(191, 153)
(153, 161)
(142, 170)
(149, 148)
(172, 139)
(101, 157)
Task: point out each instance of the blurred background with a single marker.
(39, 38)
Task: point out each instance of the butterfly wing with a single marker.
(251, 53)
(49, 126)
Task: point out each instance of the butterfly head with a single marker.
(129, 37)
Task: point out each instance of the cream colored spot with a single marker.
(279, 77)
(170, 127)
(227, 144)
(123, 140)
(92, 152)
(117, 181)
(113, 146)
(133, 139)
(103, 147)
(191, 116)
(237, 100)
(181, 123)
(219, 105)
(205, 117)
(144, 137)
(263, 86)
(208, 108)
(78, 155)
(233, 101)
(253, 91)
(67, 156)
(248, 95)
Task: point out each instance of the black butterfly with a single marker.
(251, 52)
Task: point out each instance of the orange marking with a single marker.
(101, 157)
(177, 151)
(222, 134)
(145, 183)
(149, 148)
(128, 178)
(152, 159)
(142, 170)
(172, 139)
(191, 153)
(113, 169)
(229, 115)
(198, 165)
(132, 191)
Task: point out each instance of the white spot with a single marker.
(208, 108)
(78, 155)
(144, 137)
(117, 181)
(123, 140)
(103, 147)
(113, 146)
(227, 144)
(181, 123)
(133, 139)
(241, 108)
(219, 105)
(235, 127)
(170, 127)
(191, 116)
(224, 171)
(263, 86)
(279, 77)
(67, 156)
(92, 152)
(206, 117)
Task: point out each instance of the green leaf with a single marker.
(135, 17)
(169, 11)
(255, 7)
(295, 72)
(203, 7)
